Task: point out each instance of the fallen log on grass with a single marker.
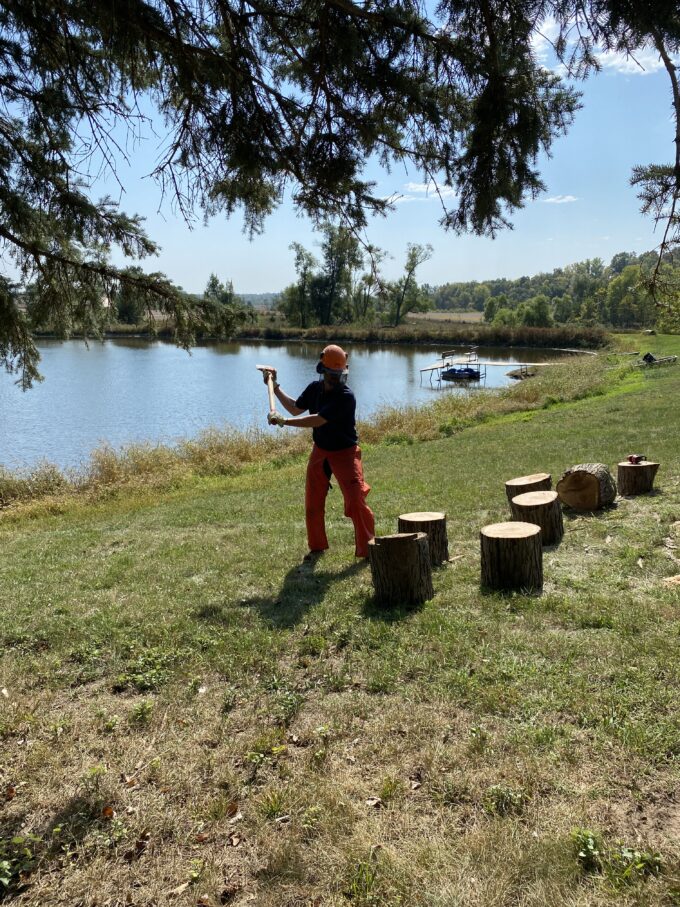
(587, 486)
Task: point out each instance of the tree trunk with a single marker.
(543, 509)
(433, 524)
(538, 481)
(636, 478)
(588, 486)
(512, 557)
(401, 569)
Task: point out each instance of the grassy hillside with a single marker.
(190, 715)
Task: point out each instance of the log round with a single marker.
(636, 478)
(433, 524)
(512, 556)
(538, 481)
(542, 508)
(400, 568)
(587, 486)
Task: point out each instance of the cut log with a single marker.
(542, 508)
(587, 486)
(636, 478)
(512, 557)
(433, 524)
(538, 481)
(400, 568)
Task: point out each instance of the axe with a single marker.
(270, 386)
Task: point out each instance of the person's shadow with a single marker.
(303, 586)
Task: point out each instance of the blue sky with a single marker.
(588, 210)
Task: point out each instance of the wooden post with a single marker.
(588, 486)
(512, 557)
(636, 478)
(543, 509)
(538, 481)
(400, 568)
(433, 524)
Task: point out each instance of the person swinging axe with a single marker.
(331, 406)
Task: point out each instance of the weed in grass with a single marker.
(229, 699)
(390, 789)
(479, 741)
(18, 859)
(501, 800)
(588, 850)
(273, 803)
(109, 723)
(363, 885)
(450, 792)
(627, 864)
(140, 714)
(223, 806)
(93, 778)
(312, 646)
(286, 706)
(310, 820)
(146, 672)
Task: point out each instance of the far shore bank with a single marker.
(564, 336)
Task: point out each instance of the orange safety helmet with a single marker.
(333, 359)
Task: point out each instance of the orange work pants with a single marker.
(346, 467)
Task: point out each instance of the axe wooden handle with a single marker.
(270, 387)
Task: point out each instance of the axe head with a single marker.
(266, 368)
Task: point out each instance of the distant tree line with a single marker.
(587, 292)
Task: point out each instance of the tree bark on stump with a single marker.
(400, 568)
(512, 556)
(543, 509)
(433, 524)
(636, 478)
(538, 481)
(587, 486)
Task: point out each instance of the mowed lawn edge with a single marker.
(188, 714)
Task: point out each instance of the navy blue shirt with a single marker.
(338, 406)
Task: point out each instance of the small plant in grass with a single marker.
(627, 864)
(363, 885)
(18, 858)
(110, 724)
(390, 789)
(286, 706)
(196, 871)
(323, 735)
(93, 778)
(588, 847)
(141, 713)
(228, 700)
(450, 792)
(273, 803)
(147, 672)
(312, 646)
(479, 740)
(500, 800)
(310, 819)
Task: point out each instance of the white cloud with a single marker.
(430, 190)
(645, 61)
(543, 43)
(559, 199)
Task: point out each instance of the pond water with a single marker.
(130, 390)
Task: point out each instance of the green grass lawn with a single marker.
(189, 715)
